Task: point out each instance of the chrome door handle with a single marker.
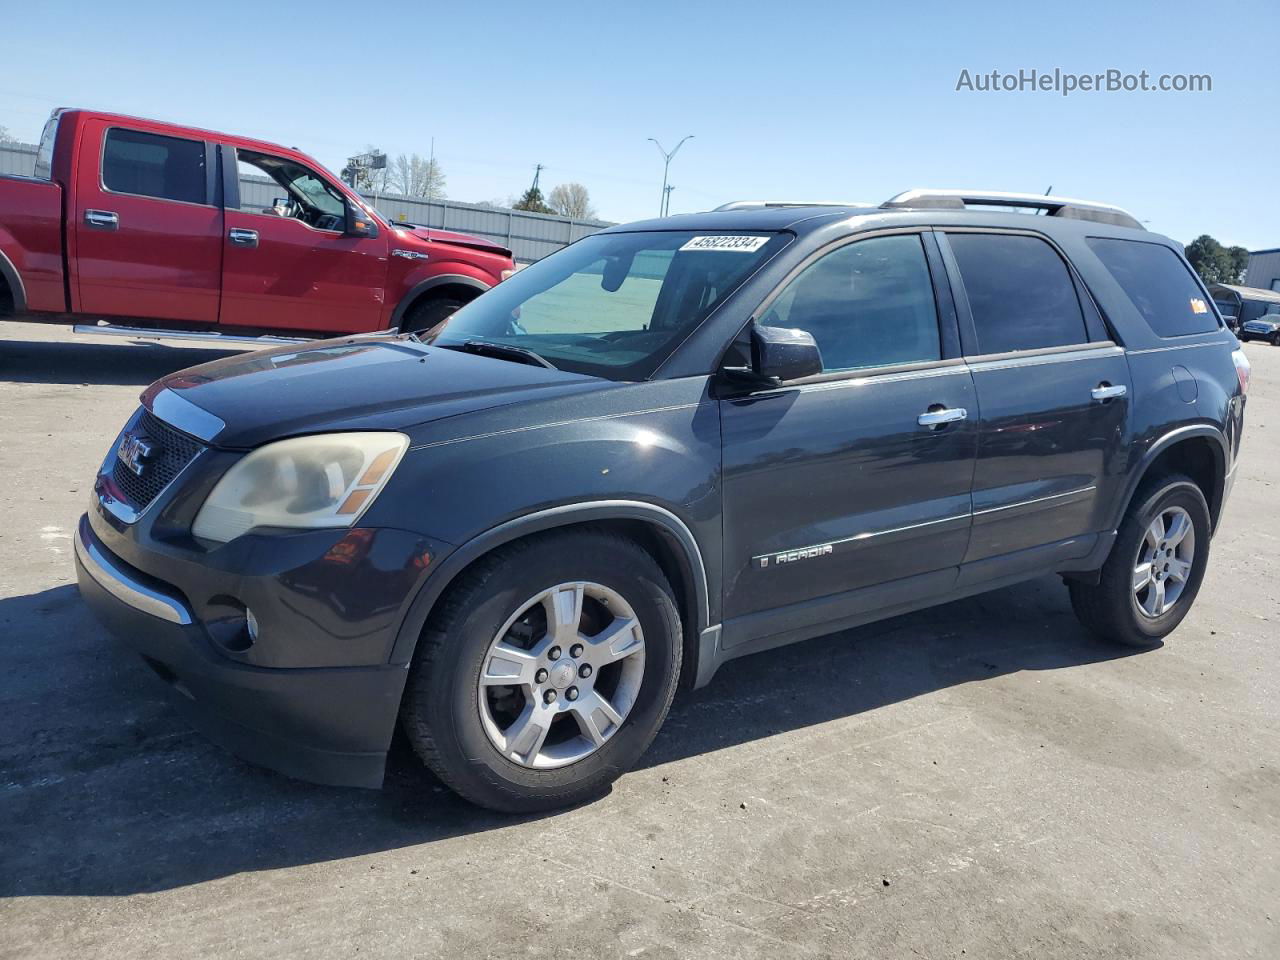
(102, 219)
(936, 417)
(1105, 391)
(243, 238)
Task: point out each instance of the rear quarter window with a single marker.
(151, 165)
(1159, 285)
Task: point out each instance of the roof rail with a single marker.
(763, 204)
(1053, 206)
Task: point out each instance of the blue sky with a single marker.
(799, 99)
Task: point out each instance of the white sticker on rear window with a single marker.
(726, 244)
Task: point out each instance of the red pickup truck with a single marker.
(142, 224)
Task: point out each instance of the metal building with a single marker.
(1264, 269)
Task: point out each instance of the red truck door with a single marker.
(147, 226)
(288, 262)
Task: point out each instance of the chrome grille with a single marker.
(173, 451)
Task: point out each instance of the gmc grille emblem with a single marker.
(134, 452)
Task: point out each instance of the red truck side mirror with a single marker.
(359, 223)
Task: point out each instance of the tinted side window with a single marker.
(1158, 283)
(1020, 292)
(866, 304)
(149, 165)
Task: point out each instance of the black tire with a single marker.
(1109, 608)
(441, 709)
(1275, 339)
(425, 314)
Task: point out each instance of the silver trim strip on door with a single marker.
(822, 549)
(1026, 503)
(977, 364)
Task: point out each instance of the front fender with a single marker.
(633, 453)
(424, 279)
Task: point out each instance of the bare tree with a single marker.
(413, 175)
(4, 136)
(572, 200)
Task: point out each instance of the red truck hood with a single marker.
(457, 239)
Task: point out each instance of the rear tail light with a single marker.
(1242, 369)
(508, 274)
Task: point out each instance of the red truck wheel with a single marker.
(429, 313)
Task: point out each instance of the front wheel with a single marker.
(545, 672)
(429, 314)
(1155, 568)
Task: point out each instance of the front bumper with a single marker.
(329, 724)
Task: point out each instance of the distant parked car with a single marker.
(142, 224)
(1249, 312)
(1264, 328)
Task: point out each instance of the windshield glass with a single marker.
(612, 305)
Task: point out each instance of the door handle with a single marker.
(1105, 391)
(102, 219)
(243, 238)
(937, 416)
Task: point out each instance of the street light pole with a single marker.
(666, 165)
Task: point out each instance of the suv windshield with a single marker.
(612, 305)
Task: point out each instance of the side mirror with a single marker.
(778, 354)
(359, 223)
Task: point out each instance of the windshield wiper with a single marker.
(502, 351)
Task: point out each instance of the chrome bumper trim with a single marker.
(126, 589)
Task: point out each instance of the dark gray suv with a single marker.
(668, 445)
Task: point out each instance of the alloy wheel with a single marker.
(560, 677)
(1164, 562)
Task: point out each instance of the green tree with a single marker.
(1239, 260)
(1216, 263)
(531, 200)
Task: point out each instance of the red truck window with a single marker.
(148, 165)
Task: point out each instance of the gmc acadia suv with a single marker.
(668, 445)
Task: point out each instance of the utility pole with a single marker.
(537, 172)
(666, 207)
(666, 165)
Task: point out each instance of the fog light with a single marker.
(251, 623)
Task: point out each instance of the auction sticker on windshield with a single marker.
(726, 244)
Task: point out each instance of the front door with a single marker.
(287, 262)
(850, 491)
(1054, 398)
(147, 227)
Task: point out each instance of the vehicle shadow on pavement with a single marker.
(129, 362)
(104, 790)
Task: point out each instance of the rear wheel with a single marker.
(426, 314)
(1155, 568)
(545, 672)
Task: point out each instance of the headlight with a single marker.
(327, 480)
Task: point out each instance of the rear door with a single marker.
(1054, 397)
(147, 224)
(858, 478)
(287, 262)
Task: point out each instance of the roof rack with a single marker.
(764, 204)
(1052, 206)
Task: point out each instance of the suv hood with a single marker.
(367, 383)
